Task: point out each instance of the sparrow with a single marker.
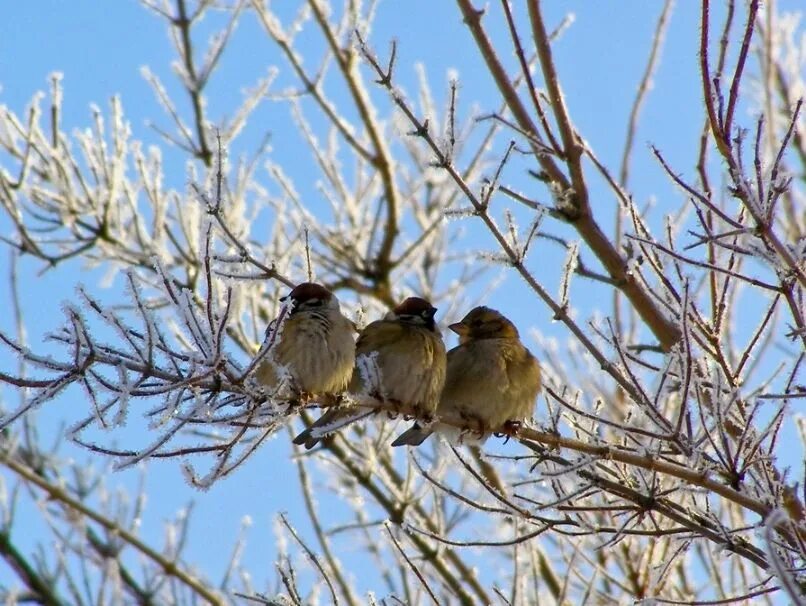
(492, 379)
(309, 348)
(399, 359)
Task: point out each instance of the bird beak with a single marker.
(459, 328)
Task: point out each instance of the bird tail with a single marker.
(305, 438)
(331, 421)
(414, 436)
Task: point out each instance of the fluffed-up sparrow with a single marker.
(399, 359)
(309, 348)
(492, 379)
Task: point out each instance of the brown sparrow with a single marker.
(399, 359)
(309, 348)
(492, 379)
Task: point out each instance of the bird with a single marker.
(400, 359)
(492, 379)
(309, 348)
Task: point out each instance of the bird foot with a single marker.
(513, 426)
(299, 399)
(396, 406)
(292, 402)
(418, 414)
(480, 426)
(331, 400)
(509, 430)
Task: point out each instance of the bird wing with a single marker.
(490, 379)
(414, 368)
(524, 375)
(399, 362)
(380, 331)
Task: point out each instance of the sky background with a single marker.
(100, 47)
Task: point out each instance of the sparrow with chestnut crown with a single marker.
(309, 349)
(399, 359)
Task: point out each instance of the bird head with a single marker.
(310, 295)
(415, 310)
(484, 323)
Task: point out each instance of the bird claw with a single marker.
(509, 430)
(480, 428)
(299, 399)
(418, 414)
(330, 400)
(513, 426)
(396, 412)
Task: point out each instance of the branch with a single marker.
(169, 567)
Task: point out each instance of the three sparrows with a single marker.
(492, 379)
(488, 381)
(309, 347)
(399, 359)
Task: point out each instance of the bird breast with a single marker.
(495, 380)
(317, 347)
(410, 369)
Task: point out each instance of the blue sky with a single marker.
(100, 48)
(101, 51)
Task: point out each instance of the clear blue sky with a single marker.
(100, 48)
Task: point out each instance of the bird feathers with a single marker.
(491, 378)
(314, 349)
(400, 359)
